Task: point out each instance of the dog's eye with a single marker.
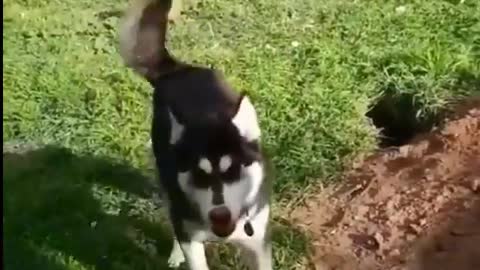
(201, 179)
(232, 174)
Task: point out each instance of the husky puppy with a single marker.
(206, 142)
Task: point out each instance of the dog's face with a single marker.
(220, 166)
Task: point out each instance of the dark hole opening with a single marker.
(397, 118)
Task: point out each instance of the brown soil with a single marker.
(414, 207)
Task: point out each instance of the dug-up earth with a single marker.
(415, 207)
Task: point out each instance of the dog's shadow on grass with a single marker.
(64, 211)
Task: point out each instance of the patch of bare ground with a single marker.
(414, 207)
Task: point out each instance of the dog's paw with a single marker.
(176, 259)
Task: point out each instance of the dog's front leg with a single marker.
(263, 255)
(176, 255)
(257, 248)
(194, 253)
(186, 249)
(257, 254)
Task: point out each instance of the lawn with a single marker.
(81, 198)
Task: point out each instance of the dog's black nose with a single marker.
(220, 215)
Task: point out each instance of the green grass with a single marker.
(313, 68)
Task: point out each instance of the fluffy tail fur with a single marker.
(142, 38)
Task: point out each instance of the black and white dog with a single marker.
(206, 142)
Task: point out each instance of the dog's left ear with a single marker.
(245, 119)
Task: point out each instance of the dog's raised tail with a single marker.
(142, 34)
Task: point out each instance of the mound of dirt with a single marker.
(415, 207)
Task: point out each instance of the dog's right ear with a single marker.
(245, 119)
(176, 128)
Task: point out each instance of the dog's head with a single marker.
(220, 165)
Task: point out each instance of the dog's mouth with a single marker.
(223, 229)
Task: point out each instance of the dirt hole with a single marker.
(396, 117)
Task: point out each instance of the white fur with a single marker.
(225, 163)
(246, 120)
(255, 174)
(194, 252)
(257, 253)
(202, 197)
(239, 193)
(205, 165)
(176, 129)
(259, 223)
(183, 181)
(176, 255)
